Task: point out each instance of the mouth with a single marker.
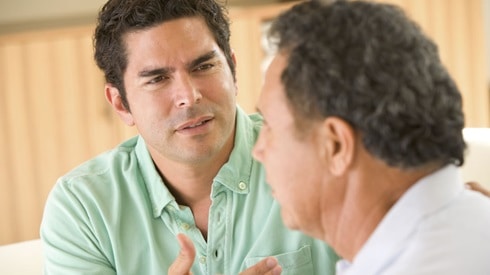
(195, 123)
(198, 124)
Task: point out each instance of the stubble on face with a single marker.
(155, 113)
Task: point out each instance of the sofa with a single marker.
(23, 258)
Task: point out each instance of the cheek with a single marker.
(220, 88)
(285, 169)
(148, 110)
(299, 199)
(153, 115)
(297, 171)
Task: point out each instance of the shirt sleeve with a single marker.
(70, 244)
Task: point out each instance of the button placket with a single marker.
(216, 234)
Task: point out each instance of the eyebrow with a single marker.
(203, 58)
(153, 72)
(165, 70)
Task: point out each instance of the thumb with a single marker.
(183, 263)
(268, 266)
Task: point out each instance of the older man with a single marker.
(361, 141)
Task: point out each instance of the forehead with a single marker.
(174, 38)
(272, 100)
(273, 88)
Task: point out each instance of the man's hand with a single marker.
(478, 187)
(183, 263)
(268, 266)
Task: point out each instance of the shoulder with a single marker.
(88, 194)
(453, 240)
(102, 171)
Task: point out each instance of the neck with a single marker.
(370, 193)
(190, 183)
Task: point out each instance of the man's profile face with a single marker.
(292, 163)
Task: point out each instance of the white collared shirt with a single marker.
(437, 227)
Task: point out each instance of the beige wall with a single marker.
(27, 14)
(18, 11)
(486, 15)
(22, 15)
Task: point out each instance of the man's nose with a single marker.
(186, 92)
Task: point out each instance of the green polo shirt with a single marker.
(114, 215)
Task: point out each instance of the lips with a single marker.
(194, 123)
(199, 124)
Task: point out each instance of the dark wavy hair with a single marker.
(118, 17)
(370, 65)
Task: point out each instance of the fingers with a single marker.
(268, 266)
(478, 187)
(183, 263)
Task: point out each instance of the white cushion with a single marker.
(24, 258)
(477, 159)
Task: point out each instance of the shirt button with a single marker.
(185, 226)
(202, 259)
(242, 185)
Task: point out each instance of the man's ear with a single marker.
(114, 98)
(233, 59)
(340, 144)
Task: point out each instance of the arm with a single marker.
(475, 186)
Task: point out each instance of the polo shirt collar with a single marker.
(235, 173)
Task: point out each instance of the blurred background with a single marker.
(53, 113)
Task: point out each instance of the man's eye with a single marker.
(204, 67)
(156, 79)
